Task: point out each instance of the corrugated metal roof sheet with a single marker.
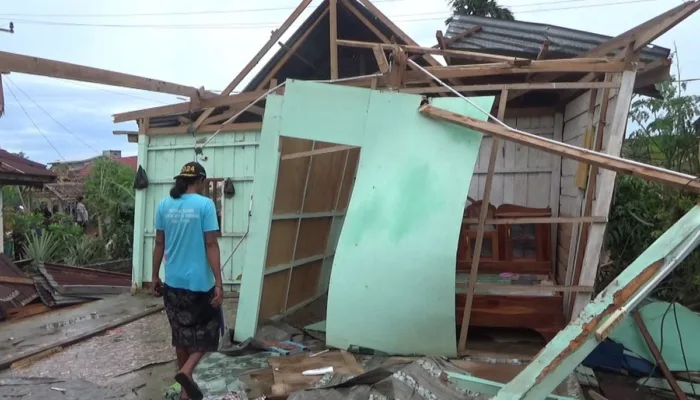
(64, 275)
(25, 293)
(23, 171)
(524, 39)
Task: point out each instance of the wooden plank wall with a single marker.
(312, 195)
(523, 176)
(576, 121)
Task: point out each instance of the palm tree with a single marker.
(481, 8)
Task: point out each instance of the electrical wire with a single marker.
(52, 118)
(113, 91)
(34, 123)
(231, 11)
(266, 25)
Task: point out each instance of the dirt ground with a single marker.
(134, 361)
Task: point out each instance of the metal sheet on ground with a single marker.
(43, 332)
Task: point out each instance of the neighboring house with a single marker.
(59, 196)
(77, 165)
(18, 171)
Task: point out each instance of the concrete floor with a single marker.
(134, 361)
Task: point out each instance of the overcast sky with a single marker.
(205, 43)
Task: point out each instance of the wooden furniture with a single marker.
(515, 249)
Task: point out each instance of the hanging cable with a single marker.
(690, 178)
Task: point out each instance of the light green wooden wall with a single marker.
(229, 155)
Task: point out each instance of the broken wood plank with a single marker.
(58, 69)
(27, 311)
(382, 62)
(276, 35)
(25, 362)
(680, 395)
(219, 101)
(601, 160)
(125, 132)
(429, 50)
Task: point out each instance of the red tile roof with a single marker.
(131, 162)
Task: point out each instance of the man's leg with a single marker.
(182, 356)
(192, 361)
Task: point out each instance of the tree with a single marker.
(480, 8)
(109, 197)
(663, 135)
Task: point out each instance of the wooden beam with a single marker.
(591, 258)
(592, 183)
(513, 86)
(310, 153)
(276, 35)
(464, 34)
(474, 273)
(333, 29)
(440, 52)
(602, 160)
(528, 288)
(382, 62)
(179, 130)
(680, 395)
(566, 65)
(58, 69)
(125, 132)
(537, 220)
(442, 46)
(395, 29)
(187, 106)
(642, 35)
(291, 51)
(16, 279)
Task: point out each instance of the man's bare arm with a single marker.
(214, 256)
(158, 251)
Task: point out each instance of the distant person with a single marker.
(81, 214)
(187, 236)
(46, 213)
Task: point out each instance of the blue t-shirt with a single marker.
(184, 221)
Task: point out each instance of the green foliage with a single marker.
(109, 197)
(42, 247)
(87, 250)
(481, 8)
(664, 136)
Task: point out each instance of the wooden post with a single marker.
(592, 184)
(138, 264)
(604, 195)
(333, 19)
(474, 273)
(680, 395)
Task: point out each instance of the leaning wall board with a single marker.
(392, 280)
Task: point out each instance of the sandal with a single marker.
(190, 387)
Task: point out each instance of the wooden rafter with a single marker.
(513, 86)
(188, 106)
(605, 161)
(642, 35)
(382, 62)
(565, 65)
(333, 31)
(276, 35)
(11, 62)
(446, 42)
(238, 127)
(429, 50)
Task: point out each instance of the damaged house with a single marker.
(357, 164)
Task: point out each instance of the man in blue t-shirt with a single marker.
(187, 237)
